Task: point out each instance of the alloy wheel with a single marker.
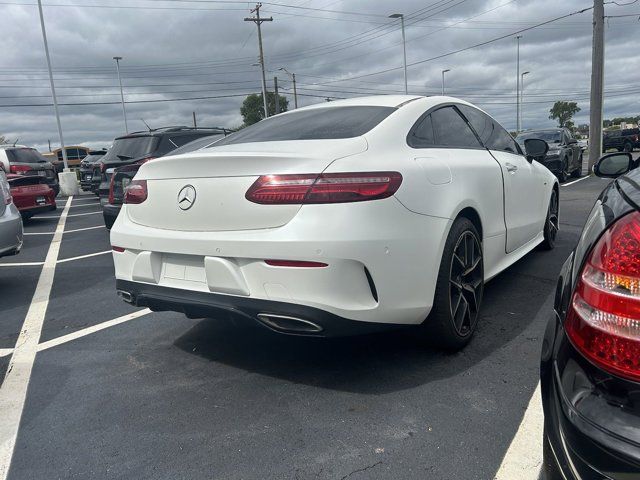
(552, 217)
(466, 283)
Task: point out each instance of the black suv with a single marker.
(139, 147)
(564, 157)
(622, 140)
(86, 168)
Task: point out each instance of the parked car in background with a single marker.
(122, 176)
(622, 140)
(140, 147)
(564, 157)
(31, 195)
(21, 160)
(590, 369)
(86, 168)
(305, 221)
(10, 221)
(584, 144)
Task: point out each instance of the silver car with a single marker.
(10, 221)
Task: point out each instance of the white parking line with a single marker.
(84, 256)
(93, 329)
(575, 181)
(73, 215)
(64, 260)
(13, 390)
(87, 205)
(66, 231)
(523, 460)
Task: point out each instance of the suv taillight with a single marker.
(604, 317)
(323, 188)
(136, 192)
(19, 169)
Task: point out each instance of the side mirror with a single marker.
(613, 165)
(535, 148)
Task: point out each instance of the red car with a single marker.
(31, 195)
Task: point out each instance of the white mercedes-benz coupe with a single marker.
(339, 218)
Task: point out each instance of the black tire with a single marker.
(577, 173)
(628, 147)
(552, 222)
(563, 175)
(460, 284)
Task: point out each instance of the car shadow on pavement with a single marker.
(376, 363)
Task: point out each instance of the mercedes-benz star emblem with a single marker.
(186, 197)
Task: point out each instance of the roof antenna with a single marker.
(146, 124)
(16, 141)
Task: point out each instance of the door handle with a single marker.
(510, 167)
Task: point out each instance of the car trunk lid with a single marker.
(221, 176)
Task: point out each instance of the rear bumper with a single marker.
(382, 260)
(30, 211)
(10, 231)
(110, 213)
(587, 431)
(313, 321)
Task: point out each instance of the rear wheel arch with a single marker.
(473, 216)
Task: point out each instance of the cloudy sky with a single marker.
(203, 50)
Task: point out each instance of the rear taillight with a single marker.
(111, 183)
(604, 317)
(103, 167)
(5, 192)
(136, 192)
(19, 169)
(323, 188)
(144, 160)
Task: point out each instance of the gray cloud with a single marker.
(178, 50)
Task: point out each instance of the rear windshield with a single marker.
(130, 148)
(313, 124)
(92, 158)
(25, 155)
(549, 136)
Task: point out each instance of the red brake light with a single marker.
(295, 263)
(136, 192)
(144, 160)
(323, 188)
(604, 318)
(111, 183)
(117, 249)
(19, 169)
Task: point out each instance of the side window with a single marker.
(421, 135)
(451, 130)
(490, 132)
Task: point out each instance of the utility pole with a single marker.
(518, 37)
(124, 112)
(295, 92)
(597, 84)
(443, 72)
(53, 88)
(258, 21)
(404, 48)
(195, 124)
(49, 142)
(275, 91)
(522, 95)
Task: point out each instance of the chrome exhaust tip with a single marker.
(287, 324)
(126, 296)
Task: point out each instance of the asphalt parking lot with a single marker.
(157, 395)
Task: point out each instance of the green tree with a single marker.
(252, 109)
(563, 112)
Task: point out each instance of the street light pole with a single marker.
(597, 84)
(443, 72)
(53, 87)
(404, 49)
(522, 95)
(258, 21)
(124, 112)
(293, 78)
(518, 37)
